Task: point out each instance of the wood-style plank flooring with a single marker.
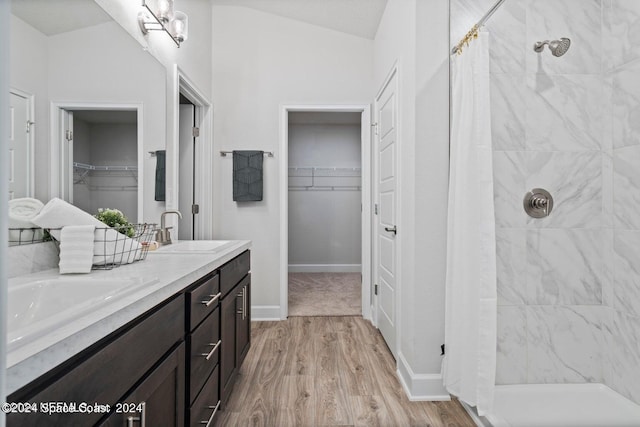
(326, 371)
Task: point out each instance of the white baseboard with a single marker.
(420, 387)
(325, 268)
(265, 313)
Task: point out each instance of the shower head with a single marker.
(557, 47)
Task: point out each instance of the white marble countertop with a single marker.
(174, 272)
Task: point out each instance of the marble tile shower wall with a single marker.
(568, 285)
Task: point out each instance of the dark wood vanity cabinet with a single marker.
(142, 360)
(175, 365)
(235, 321)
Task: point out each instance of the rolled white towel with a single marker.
(21, 212)
(76, 249)
(58, 213)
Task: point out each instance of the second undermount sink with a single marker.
(40, 306)
(190, 246)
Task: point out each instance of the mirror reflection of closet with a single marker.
(103, 157)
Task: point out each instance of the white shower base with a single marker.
(562, 405)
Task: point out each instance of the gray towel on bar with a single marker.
(160, 175)
(247, 176)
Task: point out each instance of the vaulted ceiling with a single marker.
(357, 17)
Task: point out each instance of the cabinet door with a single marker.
(243, 320)
(159, 400)
(228, 346)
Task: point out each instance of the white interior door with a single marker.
(186, 172)
(386, 230)
(19, 147)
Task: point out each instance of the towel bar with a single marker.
(224, 153)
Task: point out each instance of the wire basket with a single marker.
(27, 236)
(116, 246)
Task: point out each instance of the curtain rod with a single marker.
(473, 32)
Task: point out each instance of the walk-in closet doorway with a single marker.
(327, 229)
(96, 157)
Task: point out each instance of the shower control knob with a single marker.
(538, 203)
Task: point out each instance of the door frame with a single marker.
(365, 152)
(180, 83)
(395, 71)
(57, 140)
(31, 175)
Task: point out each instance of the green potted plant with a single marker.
(115, 218)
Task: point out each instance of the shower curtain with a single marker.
(470, 315)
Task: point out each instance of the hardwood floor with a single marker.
(326, 371)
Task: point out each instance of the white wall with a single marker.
(414, 34)
(262, 62)
(325, 226)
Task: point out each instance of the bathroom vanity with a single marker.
(167, 354)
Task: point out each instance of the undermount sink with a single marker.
(38, 307)
(190, 246)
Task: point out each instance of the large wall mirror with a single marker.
(88, 105)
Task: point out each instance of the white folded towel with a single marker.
(21, 212)
(76, 249)
(107, 242)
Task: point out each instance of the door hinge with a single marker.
(375, 289)
(195, 209)
(442, 350)
(196, 132)
(375, 127)
(375, 208)
(68, 135)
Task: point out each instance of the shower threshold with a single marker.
(553, 405)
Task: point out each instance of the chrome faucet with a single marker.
(163, 236)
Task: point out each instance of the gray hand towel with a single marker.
(160, 175)
(247, 176)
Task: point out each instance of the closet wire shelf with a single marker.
(82, 172)
(325, 179)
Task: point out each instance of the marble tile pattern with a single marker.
(625, 96)
(564, 267)
(621, 19)
(622, 357)
(626, 188)
(564, 112)
(564, 344)
(512, 349)
(626, 285)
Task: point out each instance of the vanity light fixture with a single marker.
(159, 15)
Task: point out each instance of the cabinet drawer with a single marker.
(205, 352)
(202, 300)
(129, 355)
(207, 404)
(233, 271)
